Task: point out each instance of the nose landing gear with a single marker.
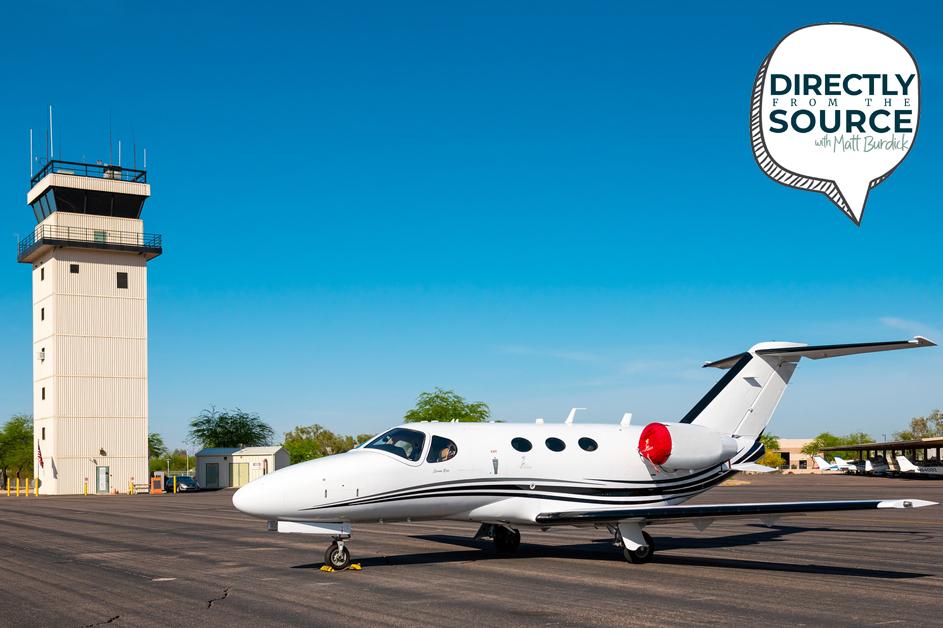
(337, 556)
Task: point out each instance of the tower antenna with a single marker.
(145, 159)
(52, 148)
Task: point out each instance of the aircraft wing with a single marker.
(668, 514)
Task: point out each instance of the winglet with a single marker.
(626, 420)
(906, 503)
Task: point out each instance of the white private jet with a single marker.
(927, 468)
(508, 476)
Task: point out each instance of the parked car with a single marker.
(185, 483)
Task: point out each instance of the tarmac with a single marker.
(191, 559)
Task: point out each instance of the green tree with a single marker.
(178, 462)
(770, 458)
(923, 427)
(230, 428)
(308, 442)
(16, 447)
(825, 439)
(445, 406)
(770, 442)
(155, 446)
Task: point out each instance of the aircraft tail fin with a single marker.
(822, 463)
(906, 465)
(742, 402)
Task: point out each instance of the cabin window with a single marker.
(442, 449)
(122, 280)
(555, 444)
(521, 444)
(74, 269)
(588, 444)
(400, 441)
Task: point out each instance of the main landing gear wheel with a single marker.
(643, 554)
(506, 540)
(337, 557)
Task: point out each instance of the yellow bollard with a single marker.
(35, 487)
(27, 487)
(8, 487)
(175, 485)
(17, 486)
(85, 488)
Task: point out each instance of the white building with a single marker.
(221, 467)
(89, 257)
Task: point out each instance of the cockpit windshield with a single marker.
(400, 441)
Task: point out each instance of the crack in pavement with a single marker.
(209, 603)
(102, 623)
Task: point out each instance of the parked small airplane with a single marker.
(844, 465)
(877, 466)
(926, 468)
(508, 476)
(825, 465)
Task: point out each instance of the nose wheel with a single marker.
(337, 556)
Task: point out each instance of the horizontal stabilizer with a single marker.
(752, 467)
(666, 514)
(793, 351)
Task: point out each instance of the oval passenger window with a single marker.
(555, 444)
(588, 444)
(521, 444)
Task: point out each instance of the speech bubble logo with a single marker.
(835, 110)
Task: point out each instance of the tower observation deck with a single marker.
(89, 256)
(90, 190)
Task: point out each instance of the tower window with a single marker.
(42, 274)
(123, 280)
(42, 313)
(44, 393)
(44, 433)
(74, 269)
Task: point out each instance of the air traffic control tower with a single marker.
(89, 256)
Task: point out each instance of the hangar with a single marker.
(914, 450)
(223, 467)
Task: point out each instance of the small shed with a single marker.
(222, 467)
(253, 462)
(213, 466)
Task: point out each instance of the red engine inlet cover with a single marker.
(655, 443)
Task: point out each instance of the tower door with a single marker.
(101, 479)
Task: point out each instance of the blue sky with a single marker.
(540, 205)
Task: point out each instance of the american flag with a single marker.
(39, 452)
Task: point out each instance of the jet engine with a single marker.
(674, 446)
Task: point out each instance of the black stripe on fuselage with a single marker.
(542, 492)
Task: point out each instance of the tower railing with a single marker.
(96, 171)
(104, 238)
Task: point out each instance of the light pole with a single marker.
(187, 451)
